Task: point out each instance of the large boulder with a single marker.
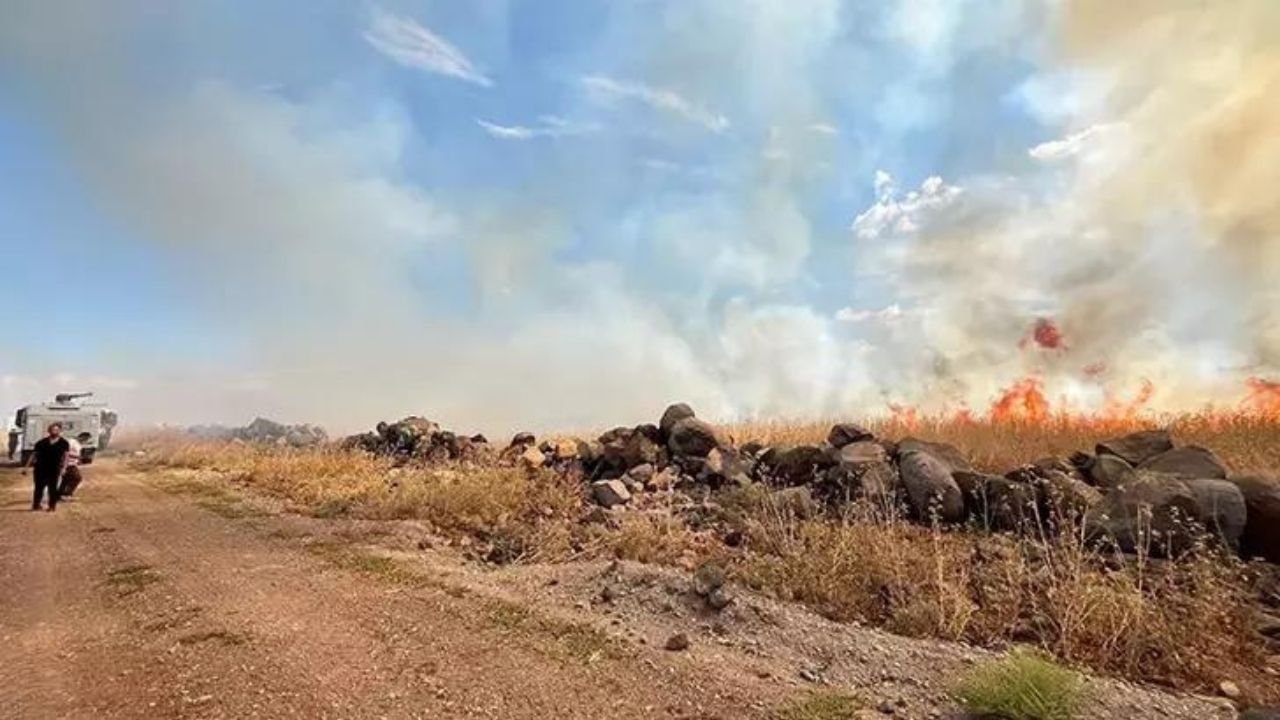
(996, 502)
(800, 465)
(931, 490)
(725, 466)
(862, 470)
(1064, 498)
(844, 433)
(948, 454)
(1261, 537)
(1190, 461)
(1137, 448)
(672, 415)
(1155, 512)
(1108, 471)
(691, 437)
(1221, 509)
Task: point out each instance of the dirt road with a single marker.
(134, 602)
(164, 596)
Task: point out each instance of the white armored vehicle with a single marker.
(77, 418)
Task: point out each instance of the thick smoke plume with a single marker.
(1133, 257)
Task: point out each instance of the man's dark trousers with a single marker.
(45, 481)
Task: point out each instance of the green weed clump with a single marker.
(1021, 686)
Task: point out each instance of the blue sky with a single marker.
(338, 211)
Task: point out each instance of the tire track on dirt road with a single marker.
(132, 602)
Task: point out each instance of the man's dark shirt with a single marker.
(48, 455)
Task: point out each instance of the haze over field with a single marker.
(568, 214)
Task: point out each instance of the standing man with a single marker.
(71, 472)
(15, 434)
(48, 457)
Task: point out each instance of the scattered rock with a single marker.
(625, 448)
(672, 415)
(707, 579)
(1268, 625)
(1190, 461)
(798, 465)
(610, 493)
(844, 433)
(862, 470)
(691, 437)
(998, 503)
(719, 599)
(1222, 509)
(725, 466)
(677, 643)
(948, 454)
(565, 449)
(664, 479)
(1108, 471)
(642, 473)
(1137, 448)
(1063, 497)
(931, 491)
(532, 457)
(416, 439)
(608, 594)
(1155, 510)
(1261, 536)
(1229, 690)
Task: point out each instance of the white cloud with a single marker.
(896, 214)
(824, 129)
(889, 313)
(550, 126)
(407, 42)
(507, 132)
(1075, 143)
(659, 98)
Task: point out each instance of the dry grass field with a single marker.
(1186, 623)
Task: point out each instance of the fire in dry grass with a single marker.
(1024, 400)
(1263, 398)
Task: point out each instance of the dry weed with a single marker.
(1184, 623)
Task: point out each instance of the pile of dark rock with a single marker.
(263, 431)
(1138, 492)
(416, 439)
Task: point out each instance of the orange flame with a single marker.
(1116, 409)
(1263, 398)
(905, 416)
(1024, 400)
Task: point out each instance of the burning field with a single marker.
(1127, 542)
